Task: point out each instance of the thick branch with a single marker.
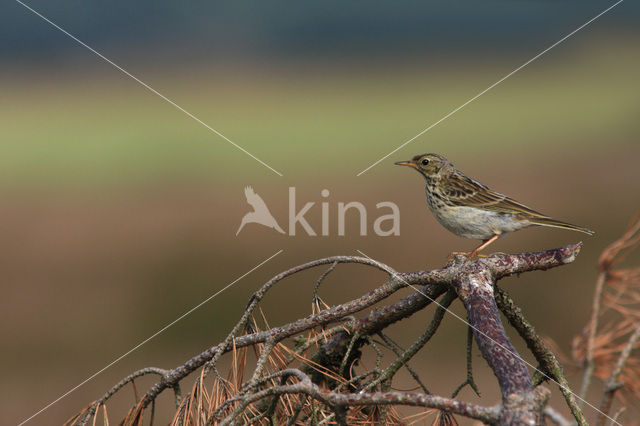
(474, 285)
(501, 265)
(332, 352)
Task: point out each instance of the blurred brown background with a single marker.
(118, 213)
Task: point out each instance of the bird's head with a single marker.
(429, 165)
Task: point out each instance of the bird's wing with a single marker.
(464, 191)
(254, 199)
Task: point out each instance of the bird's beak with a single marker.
(406, 163)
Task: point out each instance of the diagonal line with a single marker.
(493, 85)
(149, 338)
(517, 355)
(146, 86)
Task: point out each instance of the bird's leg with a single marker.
(484, 245)
(475, 251)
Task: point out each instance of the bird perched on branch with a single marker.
(470, 209)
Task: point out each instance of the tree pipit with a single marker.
(470, 209)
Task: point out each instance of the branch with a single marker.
(556, 417)
(173, 377)
(521, 405)
(593, 328)
(469, 379)
(418, 344)
(546, 359)
(337, 400)
(473, 281)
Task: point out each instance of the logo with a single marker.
(384, 225)
(260, 213)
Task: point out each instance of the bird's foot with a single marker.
(455, 254)
(476, 253)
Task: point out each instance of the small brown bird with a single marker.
(470, 209)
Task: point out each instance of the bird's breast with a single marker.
(470, 222)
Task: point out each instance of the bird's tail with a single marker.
(547, 221)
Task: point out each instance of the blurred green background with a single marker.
(118, 212)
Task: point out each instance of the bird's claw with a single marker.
(468, 255)
(454, 255)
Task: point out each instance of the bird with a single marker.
(471, 209)
(260, 213)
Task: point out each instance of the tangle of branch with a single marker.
(306, 373)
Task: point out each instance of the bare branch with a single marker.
(556, 417)
(546, 359)
(418, 344)
(333, 399)
(469, 379)
(593, 327)
(302, 393)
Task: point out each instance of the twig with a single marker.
(387, 374)
(211, 356)
(615, 418)
(396, 348)
(292, 420)
(546, 359)
(612, 384)
(177, 392)
(556, 417)
(317, 286)
(333, 399)
(84, 417)
(593, 328)
(343, 365)
(469, 380)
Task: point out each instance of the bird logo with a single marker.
(260, 213)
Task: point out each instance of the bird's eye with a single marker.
(424, 162)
